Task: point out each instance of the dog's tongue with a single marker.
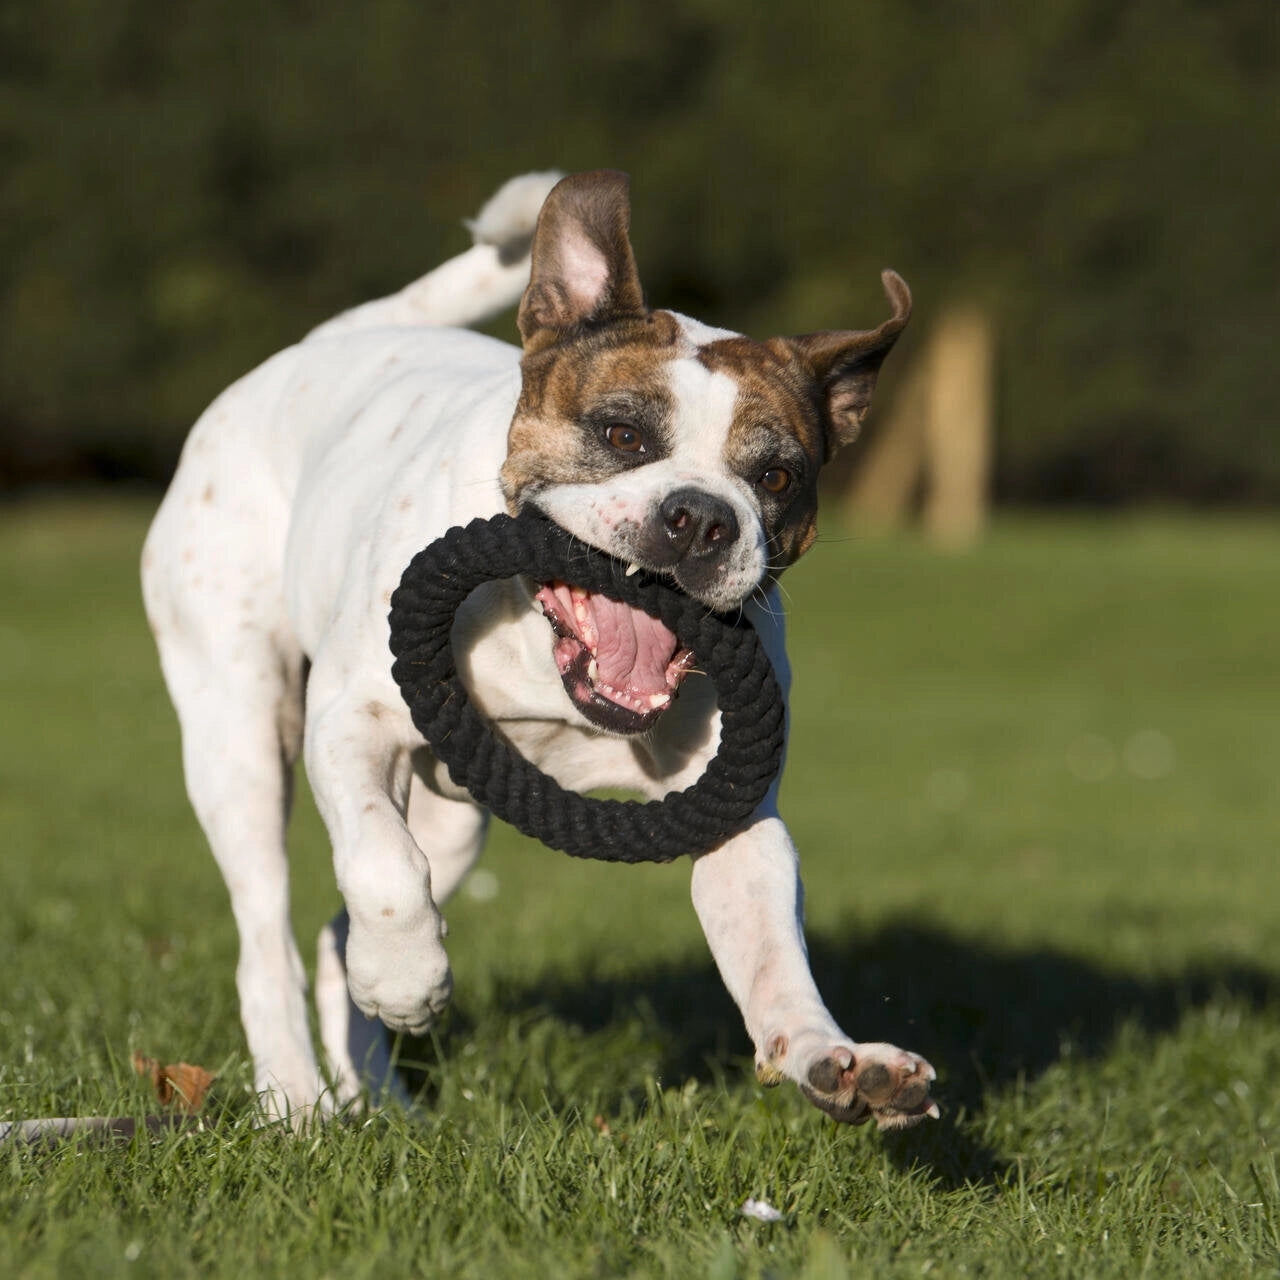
(633, 650)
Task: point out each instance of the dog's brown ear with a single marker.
(583, 270)
(846, 363)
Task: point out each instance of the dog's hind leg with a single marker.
(236, 679)
(357, 1049)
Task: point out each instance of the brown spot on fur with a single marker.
(374, 710)
(621, 365)
(207, 495)
(777, 422)
(807, 538)
(774, 387)
(388, 911)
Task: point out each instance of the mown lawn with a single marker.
(1037, 793)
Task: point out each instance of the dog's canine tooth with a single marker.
(632, 568)
(593, 671)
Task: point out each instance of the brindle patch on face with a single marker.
(777, 423)
(572, 391)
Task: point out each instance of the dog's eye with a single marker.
(624, 438)
(775, 480)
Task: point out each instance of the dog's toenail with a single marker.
(768, 1075)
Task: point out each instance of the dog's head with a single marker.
(685, 450)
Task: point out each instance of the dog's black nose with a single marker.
(697, 525)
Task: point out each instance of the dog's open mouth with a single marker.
(620, 666)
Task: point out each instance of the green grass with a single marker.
(1037, 794)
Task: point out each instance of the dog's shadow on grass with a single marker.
(984, 1016)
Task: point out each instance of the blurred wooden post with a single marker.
(958, 428)
(884, 486)
(937, 440)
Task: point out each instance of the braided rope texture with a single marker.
(728, 650)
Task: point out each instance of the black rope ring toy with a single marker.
(728, 650)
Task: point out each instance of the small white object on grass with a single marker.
(760, 1210)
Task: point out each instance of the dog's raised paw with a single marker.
(875, 1081)
(406, 985)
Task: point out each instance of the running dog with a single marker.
(304, 491)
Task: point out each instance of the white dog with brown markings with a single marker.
(305, 490)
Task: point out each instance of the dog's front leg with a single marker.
(360, 771)
(748, 897)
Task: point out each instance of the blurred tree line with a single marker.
(187, 186)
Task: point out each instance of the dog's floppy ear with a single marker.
(583, 270)
(846, 363)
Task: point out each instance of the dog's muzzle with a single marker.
(620, 666)
(691, 534)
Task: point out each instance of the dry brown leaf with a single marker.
(178, 1084)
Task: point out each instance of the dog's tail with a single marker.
(477, 284)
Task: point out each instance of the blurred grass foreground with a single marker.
(1035, 791)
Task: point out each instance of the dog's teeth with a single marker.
(632, 568)
(593, 671)
(657, 700)
(582, 615)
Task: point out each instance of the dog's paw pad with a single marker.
(876, 1082)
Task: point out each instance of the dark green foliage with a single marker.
(188, 187)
